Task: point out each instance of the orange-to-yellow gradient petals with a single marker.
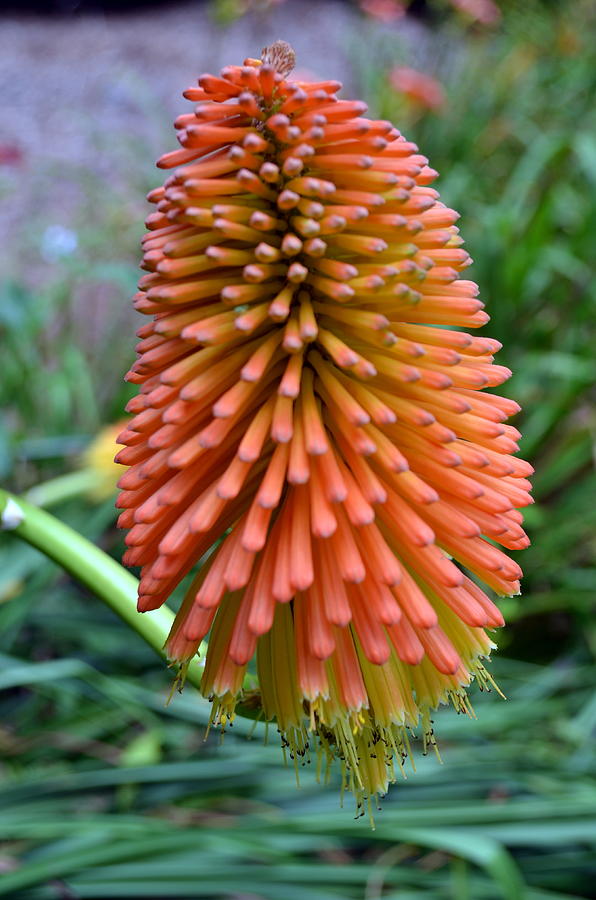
(311, 420)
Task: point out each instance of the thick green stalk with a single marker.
(93, 568)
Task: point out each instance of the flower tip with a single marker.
(281, 56)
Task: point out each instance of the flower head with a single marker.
(311, 422)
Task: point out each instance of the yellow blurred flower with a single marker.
(98, 458)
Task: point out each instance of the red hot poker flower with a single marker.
(311, 422)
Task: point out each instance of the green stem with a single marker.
(62, 488)
(93, 568)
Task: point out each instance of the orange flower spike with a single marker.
(297, 399)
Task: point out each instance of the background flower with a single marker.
(420, 89)
(384, 10)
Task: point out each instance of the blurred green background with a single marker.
(105, 790)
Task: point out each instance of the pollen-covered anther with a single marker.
(313, 424)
